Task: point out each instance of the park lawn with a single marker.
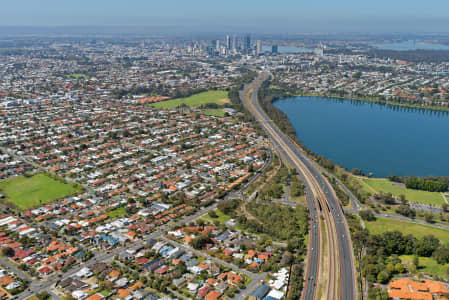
(215, 112)
(382, 225)
(26, 193)
(115, 213)
(221, 217)
(299, 199)
(217, 97)
(427, 265)
(384, 185)
(77, 76)
(365, 187)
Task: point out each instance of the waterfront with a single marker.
(412, 45)
(382, 139)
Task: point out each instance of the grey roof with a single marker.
(261, 291)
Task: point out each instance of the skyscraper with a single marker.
(228, 42)
(258, 47)
(234, 42)
(275, 49)
(247, 42)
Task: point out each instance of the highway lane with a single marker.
(337, 229)
(313, 261)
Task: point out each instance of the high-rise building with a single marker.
(247, 42)
(228, 42)
(234, 42)
(217, 45)
(258, 47)
(275, 49)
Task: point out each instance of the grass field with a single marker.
(427, 265)
(217, 97)
(115, 213)
(215, 112)
(221, 217)
(384, 185)
(77, 76)
(383, 225)
(26, 193)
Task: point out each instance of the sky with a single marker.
(274, 15)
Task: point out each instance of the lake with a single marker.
(381, 139)
(412, 45)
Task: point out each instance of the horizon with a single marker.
(256, 16)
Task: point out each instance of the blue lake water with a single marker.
(412, 45)
(381, 139)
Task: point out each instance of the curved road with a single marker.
(338, 272)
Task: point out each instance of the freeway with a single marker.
(330, 270)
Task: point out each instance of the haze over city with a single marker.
(258, 16)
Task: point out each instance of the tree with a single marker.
(43, 295)
(403, 199)
(180, 269)
(445, 206)
(383, 277)
(8, 251)
(427, 246)
(394, 178)
(428, 217)
(200, 241)
(356, 171)
(416, 261)
(390, 268)
(405, 210)
(228, 206)
(367, 215)
(399, 267)
(213, 214)
(426, 184)
(441, 255)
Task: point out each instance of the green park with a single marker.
(378, 185)
(28, 192)
(381, 225)
(209, 97)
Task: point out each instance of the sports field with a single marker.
(217, 97)
(26, 193)
(384, 185)
(382, 225)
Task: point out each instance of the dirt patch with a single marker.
(224, 101)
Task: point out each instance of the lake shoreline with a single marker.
(373, 100)
(415, 168)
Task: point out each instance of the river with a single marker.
(379, 139)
